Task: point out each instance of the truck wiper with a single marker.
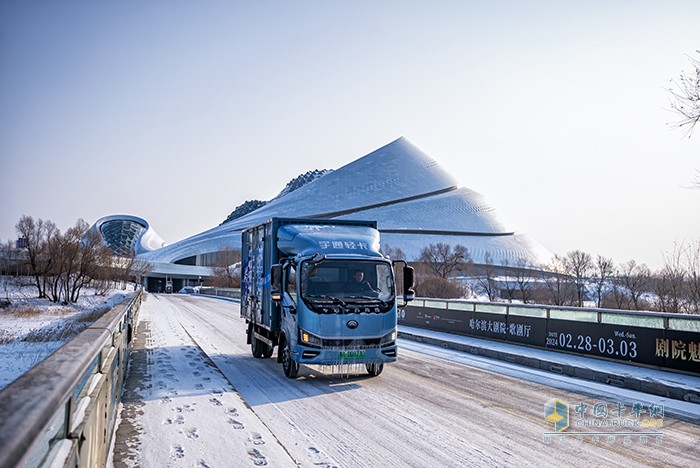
(369, 298)
(318, 258)
(334, 300)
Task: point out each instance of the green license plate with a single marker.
(351, 354)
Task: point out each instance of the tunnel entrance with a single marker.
(157, 285)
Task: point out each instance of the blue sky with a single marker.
(177, 111)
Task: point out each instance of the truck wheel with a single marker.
(374, 368)
(257, 347)
(289, 365)
(268, 351)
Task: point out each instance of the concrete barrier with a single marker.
(659, 340)
(62, 412)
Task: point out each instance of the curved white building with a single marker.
(126, 234)
(414, 201)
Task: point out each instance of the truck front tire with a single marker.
(374, 368)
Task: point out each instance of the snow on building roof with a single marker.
(413, 199)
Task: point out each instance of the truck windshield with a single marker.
(333, 286)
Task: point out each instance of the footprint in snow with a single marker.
(176, 452)
(232, 411)
(256, 439)
(256, 457)
(165, 399)
(215, 401)
(199, 386)
(235, 423)
(317, 458)
(184, 408)
(191, 433)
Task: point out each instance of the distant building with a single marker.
(127, 235)
(414, 201)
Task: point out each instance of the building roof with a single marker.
(414, 201)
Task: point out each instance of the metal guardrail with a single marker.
(680, 322)
(233, 293)
(670, 341)
(62, 412)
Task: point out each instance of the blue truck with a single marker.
(321, 292)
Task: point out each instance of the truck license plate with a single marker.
(351, 354)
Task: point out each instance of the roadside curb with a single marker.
(652, 381)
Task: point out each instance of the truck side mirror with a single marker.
(276, 282)
(408, 282)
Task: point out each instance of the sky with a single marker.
(177, 112)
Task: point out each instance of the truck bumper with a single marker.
(326, 356)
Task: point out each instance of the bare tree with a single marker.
(603, 271)
(670, 285)
(635, 278)
(558, 282)
(509, 282)
(578, 265)
(129, 269)
(35, 236)
(393, 253)
(620, 294)
(139, 269)
(486, 283)
(693, 275)
(442, 260)
(227, 271)
(435, 266)
(77, 257)
(523, 279)
(62, 264)
(685, 97)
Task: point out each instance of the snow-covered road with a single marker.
(197, 397)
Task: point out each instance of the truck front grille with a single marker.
(362, 343)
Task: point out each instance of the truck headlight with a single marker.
(388, 339)
(308, 339)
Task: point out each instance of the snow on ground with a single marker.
(32, 328)
(179, 410)
(433, 407)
